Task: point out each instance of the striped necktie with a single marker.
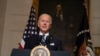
(43, 40)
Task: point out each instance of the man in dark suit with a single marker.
(44, 38)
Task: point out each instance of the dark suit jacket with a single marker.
(52, 43)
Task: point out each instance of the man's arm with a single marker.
(26, 44)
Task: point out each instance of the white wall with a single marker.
(16, 15)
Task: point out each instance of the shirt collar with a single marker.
(46, 34)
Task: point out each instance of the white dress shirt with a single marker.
(46, 34)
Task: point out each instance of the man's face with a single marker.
(59, 8)
(44, 23)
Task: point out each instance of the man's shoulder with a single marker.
(33, 37)
(55, 38)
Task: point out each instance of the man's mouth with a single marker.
(44, 26)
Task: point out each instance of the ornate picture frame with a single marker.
(67, 29)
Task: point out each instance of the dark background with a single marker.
(72, 13)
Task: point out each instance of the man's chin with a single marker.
(45, 30)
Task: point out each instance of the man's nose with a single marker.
(44, 23)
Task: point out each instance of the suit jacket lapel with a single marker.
(49, 40)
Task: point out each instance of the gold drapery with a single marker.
(36, 6)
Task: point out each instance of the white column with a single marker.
(2, 18)
(95, 22)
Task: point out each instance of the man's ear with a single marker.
(50, 26)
